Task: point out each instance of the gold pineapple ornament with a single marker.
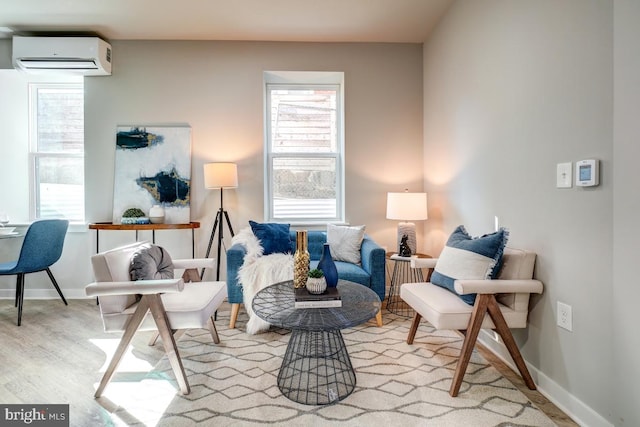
(301, 260)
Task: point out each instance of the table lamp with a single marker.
(407, 207)
(220, 175)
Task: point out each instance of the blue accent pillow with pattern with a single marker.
(466, 257)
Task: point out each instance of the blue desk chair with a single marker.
(41, 248)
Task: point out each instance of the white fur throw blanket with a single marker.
(258, 272)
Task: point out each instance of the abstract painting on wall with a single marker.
(153, 167)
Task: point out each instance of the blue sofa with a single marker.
(371, 272)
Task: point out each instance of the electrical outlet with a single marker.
(564, 316)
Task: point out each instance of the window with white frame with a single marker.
(304, 147)
(56, 114)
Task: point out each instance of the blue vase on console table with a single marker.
(328, 267)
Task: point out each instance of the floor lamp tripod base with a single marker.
(218, 228)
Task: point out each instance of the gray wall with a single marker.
(626, 204)
(510, 90)
(217, 88)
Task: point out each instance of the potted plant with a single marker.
(134, 216)
(315, 282)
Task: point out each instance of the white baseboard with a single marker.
(44, 294)
(568, 403)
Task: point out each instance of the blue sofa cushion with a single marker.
(350, 272)
(273, 237)
(466, 257)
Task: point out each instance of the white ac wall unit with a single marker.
(88, 56)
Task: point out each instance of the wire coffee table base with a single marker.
(316, 369)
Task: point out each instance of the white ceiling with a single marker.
(396, 21)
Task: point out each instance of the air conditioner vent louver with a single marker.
(58, 64)
(89, 56)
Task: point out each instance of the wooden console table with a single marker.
(141, 227)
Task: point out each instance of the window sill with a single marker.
(315, 224)
(74, 227)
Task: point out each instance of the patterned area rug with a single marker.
(234, 383)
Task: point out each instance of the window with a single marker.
(56, 114)
(304, 147)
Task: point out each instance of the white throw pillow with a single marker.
(345, 242)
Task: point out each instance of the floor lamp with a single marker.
(220, 175)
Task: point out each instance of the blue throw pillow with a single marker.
(273, 237)
(466, 257)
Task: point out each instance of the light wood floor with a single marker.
(552, 411)
(51, 359)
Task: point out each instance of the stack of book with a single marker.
(328, 299)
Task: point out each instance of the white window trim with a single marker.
(335, 79)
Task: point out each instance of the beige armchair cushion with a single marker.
(189, 309)
(445, 311)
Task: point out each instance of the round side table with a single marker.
(403, 273)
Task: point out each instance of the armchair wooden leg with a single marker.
(414, 328)
(213, 330)
(176, 336)
(162, 322)
(509, 342)
(379, 318)
(475, 322)
(130, 329)
(154, 339)
(235, 309)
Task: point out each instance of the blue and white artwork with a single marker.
(153, 167)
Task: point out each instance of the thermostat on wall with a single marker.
(587, 173)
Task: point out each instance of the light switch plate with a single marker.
(564, 175)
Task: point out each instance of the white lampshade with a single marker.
(407, 207)
(220, 175)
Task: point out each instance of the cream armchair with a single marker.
(506, 299)
(165, 305)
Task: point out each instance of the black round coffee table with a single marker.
(316, 368)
